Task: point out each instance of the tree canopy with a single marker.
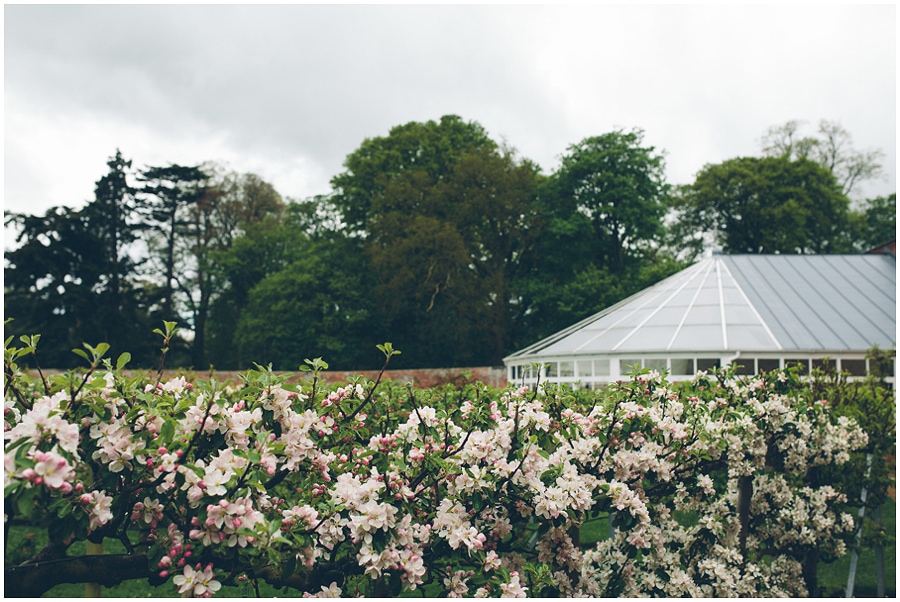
(831, 147)
(435, 237)
(768, 205)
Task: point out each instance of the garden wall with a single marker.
(421, 378)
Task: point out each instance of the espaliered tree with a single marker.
(370, 488)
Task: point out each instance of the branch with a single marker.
(33, 579)
(371, 392)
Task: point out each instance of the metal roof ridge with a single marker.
(561, 334)
(721, 303)
(752, 307)
(655, 311)
(689, 308)
(614, 324)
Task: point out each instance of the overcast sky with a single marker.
(287, 91)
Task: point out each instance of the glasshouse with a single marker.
(759, 312)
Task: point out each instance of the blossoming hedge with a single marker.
(375, 488)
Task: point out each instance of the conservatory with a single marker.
(759, 312)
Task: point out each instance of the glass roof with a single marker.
(764, 303)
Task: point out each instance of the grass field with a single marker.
(832, 577)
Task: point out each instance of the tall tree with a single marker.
(831, 147)
(768, 205)
(441, 212)
(618, 185)
(494, 196)
(265, 248)
(113, 217)
(74, 277)
(227, 207)
(168, 193)
(430, 148)
(604, 235)
(50, 282)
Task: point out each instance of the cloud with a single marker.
(287, 91)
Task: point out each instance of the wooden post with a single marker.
(93, 590)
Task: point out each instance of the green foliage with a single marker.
(430, 148)
(875, 223)
(618, 187)
(435, 235)
(768, 205)
(872, 403)
(311, 308)
(73, 275)
(831, 147)
(445, 216)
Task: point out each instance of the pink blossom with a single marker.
(197, 583)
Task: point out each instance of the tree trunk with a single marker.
(745, 494)
(168, 312)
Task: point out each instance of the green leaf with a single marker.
(379, 541)
(183, 404)
(290, 565)
(167, 431)
(123, 360)
(18, 442)
(25, 503)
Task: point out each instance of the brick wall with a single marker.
(422, 379)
